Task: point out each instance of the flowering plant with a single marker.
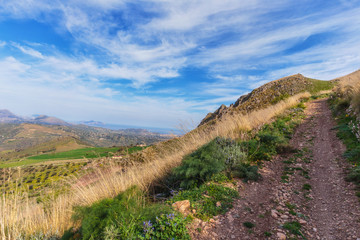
(166, 226)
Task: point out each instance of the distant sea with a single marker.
(151, 129)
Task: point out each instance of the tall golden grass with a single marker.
(349, 89)
(21, 215)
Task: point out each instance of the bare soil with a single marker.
(305, 189)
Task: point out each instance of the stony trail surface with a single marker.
(303, 195)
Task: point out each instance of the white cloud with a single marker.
(29, 51)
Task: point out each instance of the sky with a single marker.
(164, 63)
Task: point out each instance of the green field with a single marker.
(77, 154)
(86, 153)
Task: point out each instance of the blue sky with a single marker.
(160, 63)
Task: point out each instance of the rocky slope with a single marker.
(268, 94)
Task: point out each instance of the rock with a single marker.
(279, 208)
(182, 206)
(302, 221)
(274, 213)
(218, 204)
(233, 236)
(281, 236)
(196, 222)
(284, 216)
(230, 219)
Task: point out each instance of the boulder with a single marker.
(182, 206)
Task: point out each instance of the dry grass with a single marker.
(349, 89)
(20, 214)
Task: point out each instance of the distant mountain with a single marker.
(18, 133)
(8, 117)
(93, 123)
(43, 119)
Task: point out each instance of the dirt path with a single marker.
(303, 195)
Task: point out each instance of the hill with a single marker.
(27, 139)
(59, 144)
(269, 94)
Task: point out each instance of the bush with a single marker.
(200, 166)
(342, 105)
(167, 226)
(354, 175)
(353, 154)
(246, 172)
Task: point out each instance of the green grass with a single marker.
(77, 154)
(204, 199)
(318, 85)
(82, 153)
(345, 133)
(249, 224)
(294, 228)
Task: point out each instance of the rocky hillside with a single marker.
(268, 94)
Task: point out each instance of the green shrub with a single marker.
(234, 156)
(166, 226)
(342, 105)
(213, 158)
(249, 224)
(200, 166)
(354, 175)
(220, 178)
(246, 172)
(293, 227)
(353, 154)
(307, 187)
